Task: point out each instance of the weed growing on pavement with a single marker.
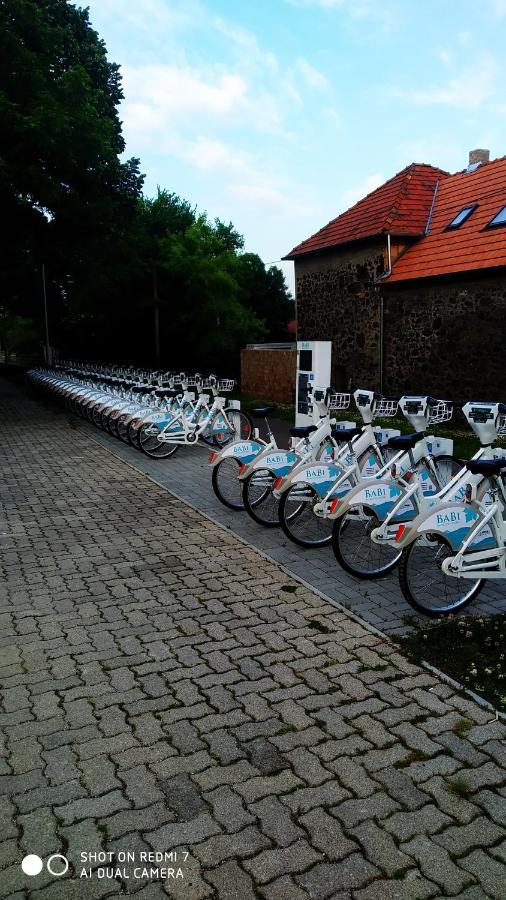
(462, 726)
(470, 648)
(289, 588)
(318, 626)
(460, 787)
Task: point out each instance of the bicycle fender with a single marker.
(279, 462)
(381, 497)
(452, 521)
(244, 451)
(321, 477)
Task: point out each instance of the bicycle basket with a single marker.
(226, 384)
(386, 408)
(339, 401)
(501, 425)
(441, 411)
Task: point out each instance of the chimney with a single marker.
(478, 157)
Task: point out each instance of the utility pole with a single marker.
(46, 321)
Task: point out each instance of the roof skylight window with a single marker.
(462, 216)
(499, 219)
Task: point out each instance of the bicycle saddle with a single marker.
(406, 441)
(302, 430)
(262, 411)
(345, 434)
(486, 466)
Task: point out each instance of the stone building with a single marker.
(410, 284)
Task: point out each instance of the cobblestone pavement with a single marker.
(380, 603)
(165, 688)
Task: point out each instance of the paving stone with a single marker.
(462, 749)
(493, 804)
(228, 808)
(183, 833)
(452, 804)
(416, 739)
(141, 786)
(401, 787)
(304, 799)
(380, 848)
(485, 776)
(231, 846)
(265, 756)
(308, 767)
(377, 806)
(488, 872)
(183, 796)
(275, 821)
(264, 785)
(271, 864)
(326, 879)
(129, 820)
(232, 774)
(436, 864)
(283, 889)
(412, 887)
(231, 882)
(326, 835)
(99, 775)
(354, 777)
(481, 832)
(405, 825)
(91, 808)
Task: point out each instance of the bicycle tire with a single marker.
(254, 505)
(375, 551)
(414, 585)
(152, 446)
(232, 464)
(242, 424)
(289, 521)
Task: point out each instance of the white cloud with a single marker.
(312, 76)
(207, 153)
(269, 198)
(354, 194)
(469, 90)
(172, 89)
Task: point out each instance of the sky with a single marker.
(278, 115)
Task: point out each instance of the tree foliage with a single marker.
(115, 260)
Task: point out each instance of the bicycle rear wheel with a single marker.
(226, 484)
(259, 501)
(298, 520)
(425, 586)
(354, 550)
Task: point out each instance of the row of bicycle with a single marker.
(156, 412)
(381, 498)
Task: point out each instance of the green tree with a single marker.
(265, 293)
(65, 192)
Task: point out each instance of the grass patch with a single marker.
(460, 787)
(462, 726)
(289, 588)
(103, 832)
(318, 626)
(470, 649)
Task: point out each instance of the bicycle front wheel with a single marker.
(354, 550)
(425, 586)
(226, 484)
(298, 520)
(259, 501)
(151, 445)
(237, 426)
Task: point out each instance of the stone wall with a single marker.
(337, 301)
(269, 375)
(445, 337)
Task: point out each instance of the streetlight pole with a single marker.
(46, 321)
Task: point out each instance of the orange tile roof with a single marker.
(400, 206)
(472, 246)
